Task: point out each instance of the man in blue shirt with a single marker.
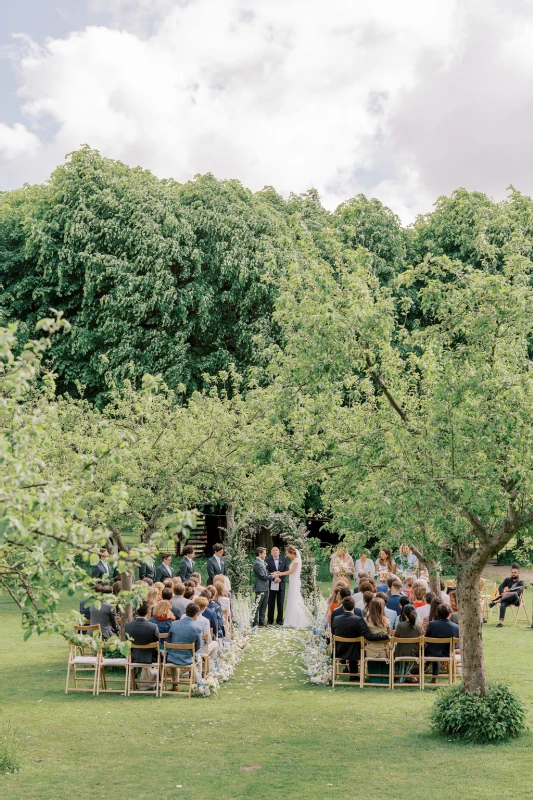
(184, 631)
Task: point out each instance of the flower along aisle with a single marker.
(230, 651)
(315, 652)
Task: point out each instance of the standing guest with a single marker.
(276, 595)
(261, 585)
(384, 567)
(348, 626)
(440, 628)
(164, 570)
(205, 625)
(104, 616)
(179, 602)
(147, 569)
(187, 563)
(377, 622)
(407, 562)
(341, 565)
(408, 627)
(162, 616)
(340, 610)
(102, 571)
(216, 565)
(510, 592)
(389, 612)
(365, 564)
(395, 593)
(184, 631)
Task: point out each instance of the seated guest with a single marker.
(153, 596)
(162, 616)
(349, 626)
(422, 612)
(444, 598)
(340, 610)
(454, 616)
(510, 592)
(198, 578)
(365, 585)
(408, 585)
(408, 627)
(205, 625)
(160, 586)
(168, 583)
(142, 631)
(419, 594)
(184, 631)
(392, 615)
(377, 622)
(440, 628)
(214, 605)
(334, 600)
(188, 593)
(167, 594)
(179, 602)
(210, 614)
(105, 616)
(367, 599)
(117, 588)
(395, 593)
(219, 582)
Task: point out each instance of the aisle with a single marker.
(272, 663)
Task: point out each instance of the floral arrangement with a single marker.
(315, 651)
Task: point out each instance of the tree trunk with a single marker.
(152, 523)
(471, 627)
(117, 540)
(432, 567)
(126, 580)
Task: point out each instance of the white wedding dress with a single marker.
(296, 613)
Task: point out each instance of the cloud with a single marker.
(400, 100)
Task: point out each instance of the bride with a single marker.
(296, 614)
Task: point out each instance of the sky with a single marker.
(403, 101)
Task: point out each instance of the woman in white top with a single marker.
(365, 564)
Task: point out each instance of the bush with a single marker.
(10, 741)
(479, 719)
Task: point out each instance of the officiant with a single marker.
(276, 597)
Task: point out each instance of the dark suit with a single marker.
(147, 571)
(440, 629)
(349, 626)
(186, 568)
(85, 610)
(105, 617)
(142, 631)
(276, 597)
(261, 585)
(340, 610)
(163, 572)
(213, 568)
(101, 572)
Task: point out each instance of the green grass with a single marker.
(370, 743)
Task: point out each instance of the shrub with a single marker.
(10, 741)
(479, 719)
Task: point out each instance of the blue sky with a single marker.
(402, 101)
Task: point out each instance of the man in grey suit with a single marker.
(102, 571)
(261, 585)
(187, 563)
(216, 564)
(104, 616)
(184, 631)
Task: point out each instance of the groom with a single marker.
(262, 579)
(276, 596)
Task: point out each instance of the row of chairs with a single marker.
(364, 677)
(87, 668)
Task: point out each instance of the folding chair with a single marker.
(449, 659)
(103, 679)
(227, 622)
(83, 658)
(518, 609)
(339, 663)
(406, 659)
(457, 665)
(368, 675)
(184, 672)
(133, 682)
(486, 595)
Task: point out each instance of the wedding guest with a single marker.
(198, 578)
(440, 628)
(205, 625)
(407, 562)
(163, 617)
(340, 610)
(365, 585)
(187, 563)
(159, 585)
(179, 602)
(444, 597)
(148, 581)
(209, 614)
(389, 612)
(365, 564)
(117, 588)
(334, 600)
(219, 582)
(216, 564)
(167, 594)
(367, 599)
(408, 585)
(395, 592)
(147, 569)
(349, 626)
(102, 571)
(408, 627)
(419, 594)
(184, 631)
(153, 596)
(435, 603)
(188, 593)
(341, 565)
(214, 605)
(422, 612)
(384, 567)
(377, 622)
(164, 570)
(142, 631)
(454, 616)
(105, 616)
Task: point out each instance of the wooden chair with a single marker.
(227, 622)
(486, 595)
(205, 658)
(449, 659)
(522, 607)
(456, 652)
(368, 675)
(339, 663)
(133, 682)
(184, 673)
(83, 659)
(104, 682)
(405, 659)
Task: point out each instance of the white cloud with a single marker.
(17, 141)
(343, 96)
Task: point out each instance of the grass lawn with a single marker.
(268, 735)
